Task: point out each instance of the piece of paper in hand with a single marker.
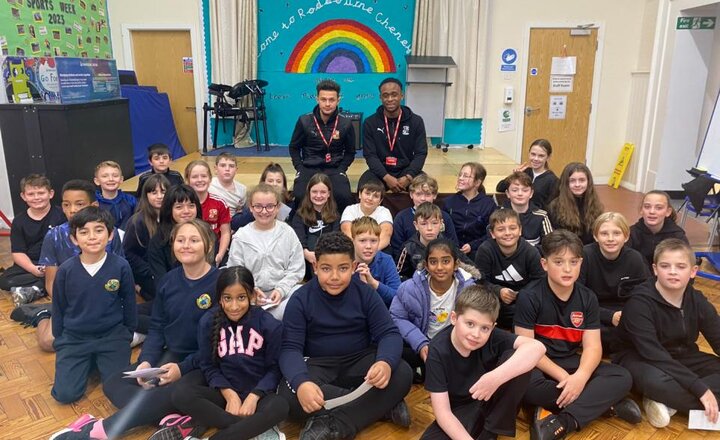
(145, 373)
(347, 398)
(697, 420)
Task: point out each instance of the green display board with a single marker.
(69, 28)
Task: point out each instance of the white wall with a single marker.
(620, 23)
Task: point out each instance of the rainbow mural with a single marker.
(341, 46)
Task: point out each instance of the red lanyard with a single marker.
(392, 141)
(325, 141)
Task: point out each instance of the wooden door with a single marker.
(568, 135)
(158, 61)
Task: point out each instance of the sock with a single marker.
(487, 435)
(568, 422)
(98, 430)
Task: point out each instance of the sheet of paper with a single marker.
(561, 83)
(145, 373)
(347, 398)
(563, 66)
(697, 420)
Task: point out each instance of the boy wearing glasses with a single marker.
(270, 249)
(567, 389)
(477, 373)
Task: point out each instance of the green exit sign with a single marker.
(695, 23)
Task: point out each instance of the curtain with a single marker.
(456, 28)
(233, 45)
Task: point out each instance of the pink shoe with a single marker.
(77, 430)
(176, 427)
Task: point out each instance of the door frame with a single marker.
(198, 56)
(600, 25)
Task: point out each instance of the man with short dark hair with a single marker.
(324, 142)
(394, 143)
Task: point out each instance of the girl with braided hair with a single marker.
(239, 346)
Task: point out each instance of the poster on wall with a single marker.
(29, 80)
(357, 44)
(46, 28)
(83, 79)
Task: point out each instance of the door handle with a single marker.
(190, 108)
(529, 110)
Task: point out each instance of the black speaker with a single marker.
(356, 120)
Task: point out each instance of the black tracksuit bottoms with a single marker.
(496, 415)
(339, 375)
(207, 407)
(659, 386)
(138, 406)
(608, 385)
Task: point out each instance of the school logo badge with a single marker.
(406, 130)
(204, 301)
(212, 215)
(577, 318)
(112, 285)
(336, 134)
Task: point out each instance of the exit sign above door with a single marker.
(695, 23)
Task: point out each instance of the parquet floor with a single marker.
(26, 374)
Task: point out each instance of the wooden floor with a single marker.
(26, 374)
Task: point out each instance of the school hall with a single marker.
(605, 82)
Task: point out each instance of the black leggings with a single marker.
(16, 276)
(140, 407)
(207, 407)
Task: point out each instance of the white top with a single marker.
(93, 268)
(353, 212)
(440, 308)
(234, 199)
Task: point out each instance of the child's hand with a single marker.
(485, 387)
(424, 353)
(616, 318)
(144, 382)
(366, 277)
(260, 298)
(275, 297)
(572, 386)
(309, 256)
(711, 406)
(310, 397)
(249, 405)
(173, 373)
(233, 403)
(465, 249)
(218, 258)
(379, 374)
(39, 271)
(507, 295)
(522, 167)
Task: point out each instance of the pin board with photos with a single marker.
(52, 28)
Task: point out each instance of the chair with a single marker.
(702, 200)
(714, 259)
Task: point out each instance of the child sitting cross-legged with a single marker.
(476, 373)
(567, 389)
(661, 322)
(507, 262)
(422, 306)
(93, 308)
(376, 269)
(337, 334)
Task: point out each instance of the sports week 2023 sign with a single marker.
(51, 28)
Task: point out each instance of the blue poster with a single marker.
(87, 79)
(355, 43)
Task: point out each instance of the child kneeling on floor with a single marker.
(93, 308)
(477, 373)
(661, 321)
(337, 335)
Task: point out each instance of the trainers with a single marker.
(30, 314)
(546, 426)
(273, 433)
(176, 427)
(627, 410)
(400, 415)
(658, 414)
(323, 427)
(77, 430)
(25, 294)
(138, 338)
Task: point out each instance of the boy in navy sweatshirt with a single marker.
(338, 334)
(661, 322)
(507, 262)
(376, 269)
(93, 308)
(108, 176)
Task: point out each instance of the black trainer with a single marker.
(400, 415)
(546, 426)
(323, 427)
(627, 410)
(30, 314)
